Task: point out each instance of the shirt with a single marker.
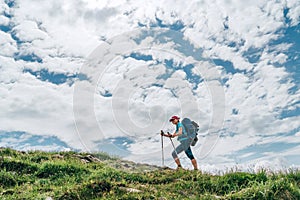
(183, 136)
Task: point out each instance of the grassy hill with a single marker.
(71, 175)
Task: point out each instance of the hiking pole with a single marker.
(162, 148)
(173, 144)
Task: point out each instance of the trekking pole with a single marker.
(162, 149)
(173, 144)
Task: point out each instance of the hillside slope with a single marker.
(71, 175)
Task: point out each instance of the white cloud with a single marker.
(28, 31)
(3, 7)
(66, 26)
(294, 11)
(39, 108)
(11, 71)
(4, 21)
(7, 45)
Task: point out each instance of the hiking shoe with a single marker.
(179, 167)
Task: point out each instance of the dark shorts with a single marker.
(185, 146)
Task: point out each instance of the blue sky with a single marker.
(253, 50)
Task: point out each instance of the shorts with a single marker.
(185, 146)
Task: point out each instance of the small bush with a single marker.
(294, 175)
(273, 189)
(18, 166)
(110, 174)
(39, 158)
(7, 179)
(8, 152)
(70, 195)
(56, 170)
(90, 190)
(261, 177)
(96, 189)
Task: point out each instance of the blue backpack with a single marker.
(192, 129)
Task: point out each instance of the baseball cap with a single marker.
(174, 117)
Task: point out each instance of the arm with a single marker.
(178, 133)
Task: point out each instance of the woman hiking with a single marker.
(185, 142)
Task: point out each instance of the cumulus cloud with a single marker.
(7, 44)
(28, 31)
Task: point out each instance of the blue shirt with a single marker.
(183, 136)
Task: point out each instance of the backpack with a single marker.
(192, 129)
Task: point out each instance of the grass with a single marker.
(68, 175)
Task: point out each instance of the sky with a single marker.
(93, 75)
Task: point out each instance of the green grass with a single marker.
(64, 175)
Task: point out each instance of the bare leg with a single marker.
(194, 162)
(177, 162)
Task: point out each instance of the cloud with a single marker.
(4, 8)
(293, 12)
(28, 31)
(4, 21)
(24, 141)
(7, 44)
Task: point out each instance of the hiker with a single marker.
(185, 142)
